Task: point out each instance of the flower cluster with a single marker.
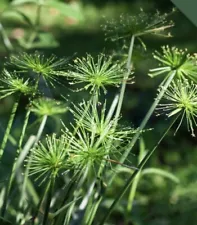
(172, 58)
(49, 159)
(138, 25)
(85, 148)
(96, 73)
(12, 83)
(50, 68)
(181, 101)
(47, 107)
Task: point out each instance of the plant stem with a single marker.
(135, 173)
(145, 120)
(13, 171)
(125, 78)
(136, 179)
(117, 114)
(76, 195)
(68, 192)
(48, 202)
(41, 201)
(39, 133)
(9, 126)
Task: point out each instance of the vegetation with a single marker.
(69, 153)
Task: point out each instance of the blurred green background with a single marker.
(73, 28)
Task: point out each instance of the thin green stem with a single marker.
(39, 133)
(9, 126)
(136, 179)
(76, 193)
(62, 209)
(135, 173)
(117, 114)
(41, 201)
(48, 202)
(23, 131)
(13, 172)
(125, 78)
(145, 120)
(69, 192)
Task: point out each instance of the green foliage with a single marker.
(68, 174)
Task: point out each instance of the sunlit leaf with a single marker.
(20, 2)
(160, 172)
(66, 9)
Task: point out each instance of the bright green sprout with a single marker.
(48, 107)
(172, 58)
(99, 122)
(181, 98)
(47, 67)
(96, 73)
(83, 152)
(12, 83)
(50, 158)
(138, 25)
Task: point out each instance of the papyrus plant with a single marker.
(70, 172)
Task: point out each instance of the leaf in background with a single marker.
(21, 2)
(45, 40)
(69, 10)
(160, 172)
(25, 18)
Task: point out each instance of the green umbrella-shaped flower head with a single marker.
(48, 107)
(97, 73)
(50, 158)
(47, 67)
(141, 24)
(181, 101)
(172, 58)
(11, 83)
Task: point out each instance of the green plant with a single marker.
(66, 176)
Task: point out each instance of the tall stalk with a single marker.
(125, 78)
(135, 173)
(39, 133)
(136, 179)
(48, 201)
(9, 126)
(146, 119)
(117, 114)
(136, 136)
(13, 171)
